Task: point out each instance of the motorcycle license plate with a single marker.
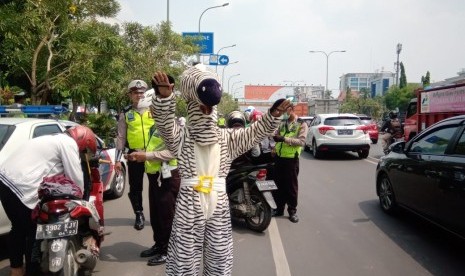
(266, 185)
(56, 230)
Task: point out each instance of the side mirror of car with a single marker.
(398, 147)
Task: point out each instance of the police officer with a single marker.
(134, 124)
(164, 182)
(289, 138)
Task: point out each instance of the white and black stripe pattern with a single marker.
(192, 235)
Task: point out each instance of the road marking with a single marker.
(279, 256)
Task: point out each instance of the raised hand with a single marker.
(161, 84)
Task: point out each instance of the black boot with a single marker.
(140, 221)
(136, 202)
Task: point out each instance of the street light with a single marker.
(200, 18)
(218, 53)
(327, 58)
(231, 78)
(224, 67)
(232, 86)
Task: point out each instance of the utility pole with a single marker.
(399, 49)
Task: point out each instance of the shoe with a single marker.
(294, 218)
(276, 213)
(157, 260)
(140, 221)
(152, 251)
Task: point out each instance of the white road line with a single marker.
(279, 256)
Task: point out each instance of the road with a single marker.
(342, 231)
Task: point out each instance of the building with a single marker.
(263, 96)
(376, 83)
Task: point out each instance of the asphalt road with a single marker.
(342, 231)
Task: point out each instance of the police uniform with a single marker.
(287, 166)
(133, 133)
(164, 182)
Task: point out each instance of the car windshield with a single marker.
(5, 133)
(366, 121)
(342, 121)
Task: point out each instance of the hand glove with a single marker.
(278, 138)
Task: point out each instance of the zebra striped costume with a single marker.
(202, 224)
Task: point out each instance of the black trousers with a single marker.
(286, 172)
(23, 230)
(162, 201)
(136, 172)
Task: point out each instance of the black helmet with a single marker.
(235, 119)
(393, 114)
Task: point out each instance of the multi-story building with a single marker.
(377, 83)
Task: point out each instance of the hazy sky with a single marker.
(274, 37)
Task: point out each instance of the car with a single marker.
(337, 132)
(307, 119)
(372, 127)
(15, 131)
(426, 175)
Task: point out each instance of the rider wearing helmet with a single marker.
(248, 113)
(236, 119)
(392, 128)
(22, 173)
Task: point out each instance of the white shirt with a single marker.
(23, 171)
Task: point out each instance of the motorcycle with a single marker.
(392, 140)
(70, 228)
(250, 196)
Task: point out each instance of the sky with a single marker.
(273, 37)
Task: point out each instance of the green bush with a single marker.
(104, 125)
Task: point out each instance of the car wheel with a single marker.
(374, 141)
(363, 153)
(387, 199)
(315, 151)
(306, 148)
(118, 184)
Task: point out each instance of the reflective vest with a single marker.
(138, 129)
(285, 150)
(156, 144)
(221, 121)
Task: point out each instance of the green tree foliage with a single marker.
(403, 77)
(399, 97)
(426, 80)
(362, 105)
(227, 104)
(37, 49)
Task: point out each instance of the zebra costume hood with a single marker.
(202, 92)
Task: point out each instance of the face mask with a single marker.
(285, 116)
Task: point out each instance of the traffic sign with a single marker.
(223, 60)
(213, 60)
(203, 40)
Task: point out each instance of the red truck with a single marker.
(431, 106)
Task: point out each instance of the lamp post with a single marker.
(232, 86)
(224, 67)
(200, 18)
(218, 53)
(327, 58)
(398, 50)
(231, 78)
(168, 11)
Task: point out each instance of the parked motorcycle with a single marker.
(250, 196)
(70, 229)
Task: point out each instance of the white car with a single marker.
(337, 132)
(15, 131)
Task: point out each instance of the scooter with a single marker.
(70, 229)
(250, 196)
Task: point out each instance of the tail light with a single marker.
(323, 129)
(261, 175)
(363, 128)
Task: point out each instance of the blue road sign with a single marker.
(223, 60)
(213, 60)
(204, 41)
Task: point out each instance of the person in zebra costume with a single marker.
(202, 224)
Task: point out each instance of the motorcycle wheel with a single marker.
(262, 218)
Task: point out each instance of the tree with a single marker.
(403, 77)
(399, 97)
(425, 80)
(227, 104)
